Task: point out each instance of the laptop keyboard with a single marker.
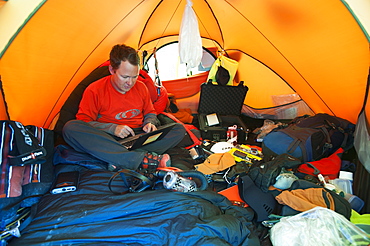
(128, 144)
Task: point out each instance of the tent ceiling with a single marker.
(312, 47)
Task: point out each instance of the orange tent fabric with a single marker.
(317, 49)
(186, 87)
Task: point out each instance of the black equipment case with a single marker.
(226, 103)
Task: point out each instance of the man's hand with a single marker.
(149, 127)
(123, 131)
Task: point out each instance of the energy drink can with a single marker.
(232, 132)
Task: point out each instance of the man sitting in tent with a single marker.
(158, 95)
(116, 107)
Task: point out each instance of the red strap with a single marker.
(187, 128)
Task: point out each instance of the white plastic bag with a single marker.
(190, 43)
(317, 227)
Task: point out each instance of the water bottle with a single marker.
(344, 182)
(174, 181)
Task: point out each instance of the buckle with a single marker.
(12, 229)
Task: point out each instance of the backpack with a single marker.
(27, 169)
(310, 138)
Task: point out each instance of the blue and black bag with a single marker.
(310, 138)
(27, 173)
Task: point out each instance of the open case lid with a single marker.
(224, 100)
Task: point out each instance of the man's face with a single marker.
(124, 78)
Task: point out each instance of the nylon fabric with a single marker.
(269, 41)
(303, 200)
(196, 218)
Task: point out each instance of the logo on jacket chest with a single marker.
(127, 114)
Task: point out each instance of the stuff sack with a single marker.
(329, 166)
(27, 168)
(310, 138)
(264, 174)
(223, 71)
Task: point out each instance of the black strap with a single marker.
(316, 171)
(27, 149)
(144, 184)
(35, 156)
(327, 135)
(293, 146)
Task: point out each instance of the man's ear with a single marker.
(111, 70)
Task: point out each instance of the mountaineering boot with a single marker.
(153, 161)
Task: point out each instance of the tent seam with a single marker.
(356, 19)
(21, 27)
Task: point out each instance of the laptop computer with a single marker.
(142, 139)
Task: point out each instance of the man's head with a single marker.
(124, 67)
(121, 52)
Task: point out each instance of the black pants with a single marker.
(87, 139)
